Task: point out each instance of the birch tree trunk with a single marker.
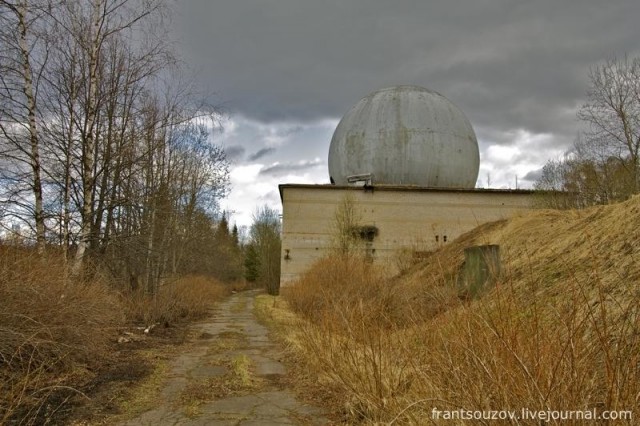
(25, 110)
(88, 143)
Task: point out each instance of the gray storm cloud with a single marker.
(285, 68)
(279, 169)
(507, 64)
(261, 153)
(234, 152)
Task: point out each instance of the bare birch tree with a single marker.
(603, 166)
(266, 241)
(93, 27)
(119, 162)
(612, 113)
(23, 56)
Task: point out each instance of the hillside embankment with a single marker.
(557, 336)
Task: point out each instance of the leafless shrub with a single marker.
(185, 298)
(51, 330)
(558, 332)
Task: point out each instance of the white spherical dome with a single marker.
(405, 135)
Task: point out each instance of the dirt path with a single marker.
(231, 375)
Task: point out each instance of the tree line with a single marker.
(104, 154)
(603, 165)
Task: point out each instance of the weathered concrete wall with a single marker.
(405, 217)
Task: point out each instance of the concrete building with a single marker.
(403, 217)
(408, 159)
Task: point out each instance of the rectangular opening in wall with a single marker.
(365, 233)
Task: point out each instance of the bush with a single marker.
(340, 290)
(526, 344)
(185, 298)
(52, 330)
(56, 331)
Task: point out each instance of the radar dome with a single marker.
(405, 135)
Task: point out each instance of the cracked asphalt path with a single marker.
(231, 375)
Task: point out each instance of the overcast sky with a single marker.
(285, 71)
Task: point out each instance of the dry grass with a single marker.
(56, 332)
(52, 331)
(227, 341)
(144, 394)
(331, 286)
(561, 331)
(185, 298)
(239, 380)
(289, 329)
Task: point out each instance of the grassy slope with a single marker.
(560, 243)
(560, 330)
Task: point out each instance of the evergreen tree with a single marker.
(234, 235)
(228, 253)
(251, 264)
(222, 231)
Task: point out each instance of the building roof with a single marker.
(401, 188)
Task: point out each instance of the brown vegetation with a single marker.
(109, 191)
(558, 332)
(185, 298)
(52, 332)
(59, 336)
